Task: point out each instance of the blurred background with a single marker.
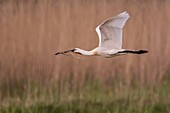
(32, 31)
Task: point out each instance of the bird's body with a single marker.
(110, 39)
(99, 52)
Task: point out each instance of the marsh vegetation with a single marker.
(33, 80)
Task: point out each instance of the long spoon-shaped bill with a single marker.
(63, 52)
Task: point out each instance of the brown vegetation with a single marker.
(32, 31)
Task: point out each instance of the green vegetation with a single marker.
(33, 80)
(93, 97)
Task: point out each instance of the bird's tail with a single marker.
(134, 51)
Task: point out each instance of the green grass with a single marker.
(93, 96)
(80, 106)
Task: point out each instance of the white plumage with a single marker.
(110, 39)
(110, 31)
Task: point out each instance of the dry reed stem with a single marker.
(32, 31)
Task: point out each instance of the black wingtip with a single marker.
(142, 51)
(134, 52)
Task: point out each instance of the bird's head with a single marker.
(77, 51)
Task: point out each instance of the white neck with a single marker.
(84, 52)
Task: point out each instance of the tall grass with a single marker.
(31, 31)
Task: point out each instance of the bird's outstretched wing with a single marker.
(110, 31)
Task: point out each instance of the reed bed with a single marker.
(31, 31)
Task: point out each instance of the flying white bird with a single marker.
(110, 39)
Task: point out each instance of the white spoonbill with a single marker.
(110, 39)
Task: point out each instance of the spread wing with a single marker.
(110, 31)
